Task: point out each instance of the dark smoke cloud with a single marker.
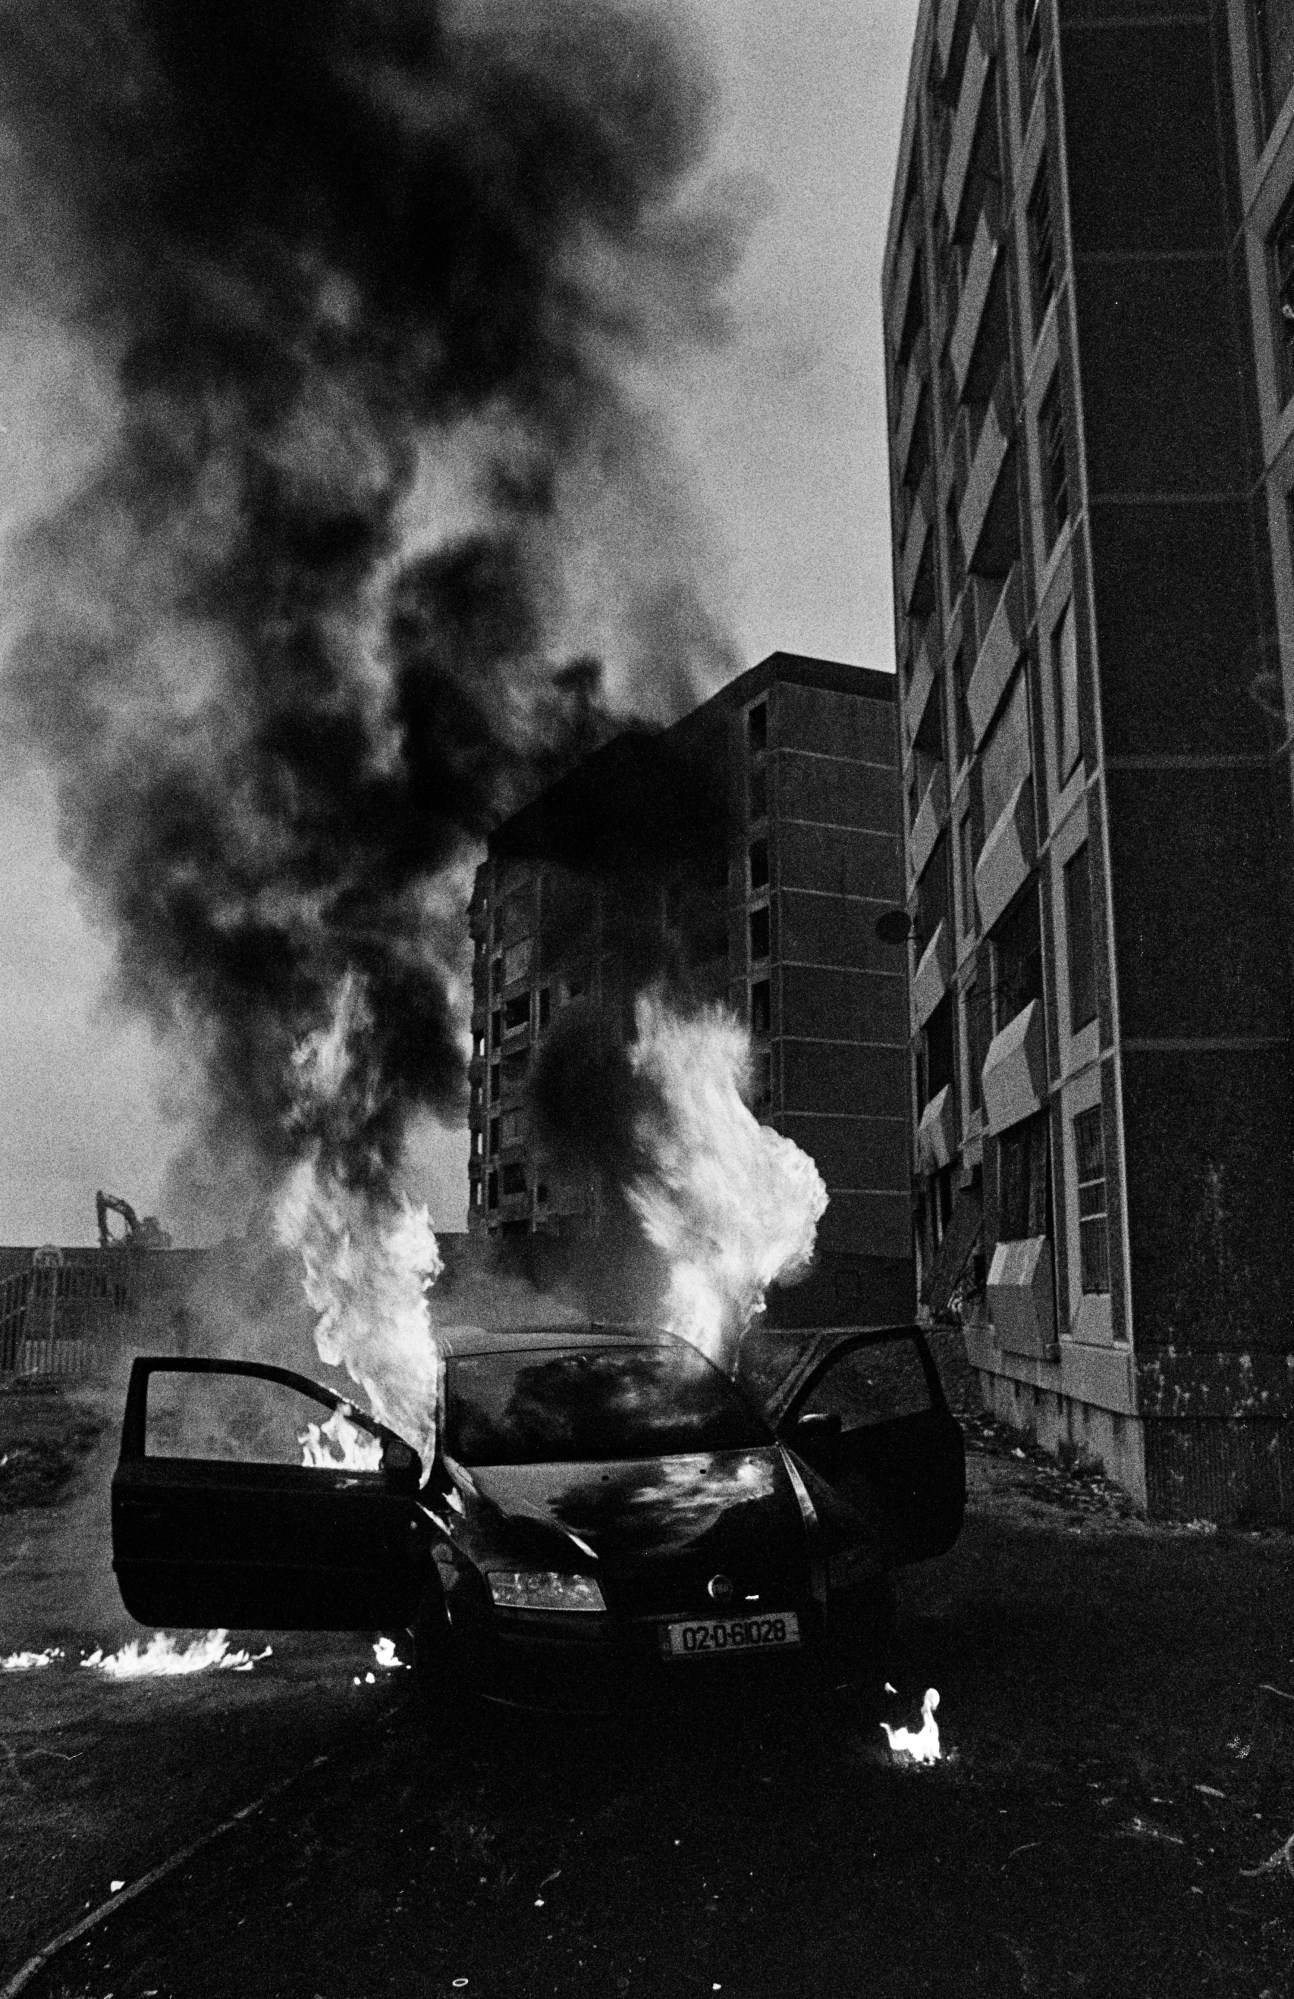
(346, 257)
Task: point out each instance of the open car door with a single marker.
(866, 1411)
(217, 1520)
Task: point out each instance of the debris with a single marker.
(550, 1877)
(1139, 1828)
(1282, 1857)
(1266, 1687)
(115, 1887)
(1210, 1791)
(1026, 1848)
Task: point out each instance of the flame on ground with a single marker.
(339, 1445)
(30, 1662)
(732, 1205)
(921, 1745)
(164, 1658)
(369, 1260)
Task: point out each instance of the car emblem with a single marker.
(720, 1589)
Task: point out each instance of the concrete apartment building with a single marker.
(769, 904)
(1089, 326)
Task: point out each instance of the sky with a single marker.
(781, 437)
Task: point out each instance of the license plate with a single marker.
(709, 1637)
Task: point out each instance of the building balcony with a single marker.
(906, 268)
(916, 564)
(918, 693)
(1014, 1078)
(914, 389)
(961, 144)
(1021, 1297)
(1008, 855)
(968, 345)
(929, 822)
(933, 975)
(1001, 649)
(987, 521)
(937, 1133)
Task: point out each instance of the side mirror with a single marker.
(401, 1466)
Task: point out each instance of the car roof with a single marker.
(456, 1340)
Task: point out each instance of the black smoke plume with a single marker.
(365, 272)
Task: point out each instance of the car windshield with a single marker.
(583, 1404)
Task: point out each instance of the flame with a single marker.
(386, 1655)
(30, 1662)
(369, 1260)
(921, 1744)
(732, 1205)
(339, 1445)
(163, 1658)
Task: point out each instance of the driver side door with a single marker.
(218, 1521)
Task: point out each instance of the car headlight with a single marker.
(542, 1589)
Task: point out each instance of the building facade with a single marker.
(769, 903)
(1089, 327)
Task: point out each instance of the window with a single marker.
(962, 667)
(516, 960)
(1274, 30)
(476, 1144)
(1093, 1235)
(1029, 28)
(1281, 251)
(927, 744)
(478, 1043)
(545, 1007)
(496, 973)
(515, 1067)
(761, 1011)
(956, 558)
(493, 1193)
(932, 893)
(970, 913)
(757, 729)
(1055, 478)
(759, 933)
(496, 1026)
(513, 1128)
(1024, 1190)
(758, 792)
(938, 1063)
(541, 1194)
(975, 1003)
(494, 1082)
(1042, 253)
(759, 864)
(1064, 679)
(1078, 936)
(514, 1181)
(763, 1080)
(516, 1013)
(1017, 959)
(1006, 757)
(494, 1136)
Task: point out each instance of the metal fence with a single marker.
(57, 1314)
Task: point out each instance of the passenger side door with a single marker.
(870, 1417)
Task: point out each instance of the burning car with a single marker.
(601, 1504)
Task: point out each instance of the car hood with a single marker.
(734, 1511)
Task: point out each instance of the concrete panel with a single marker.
(832, 1076)
(1194, 859)
(832, 1003)
(834, 792)
(838, 725)
(854, 1152)
(870, 1224)
(831, 930)
(1100, 1375)
(843, 860)
(929, 821)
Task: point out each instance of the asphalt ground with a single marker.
(1118, 1778)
